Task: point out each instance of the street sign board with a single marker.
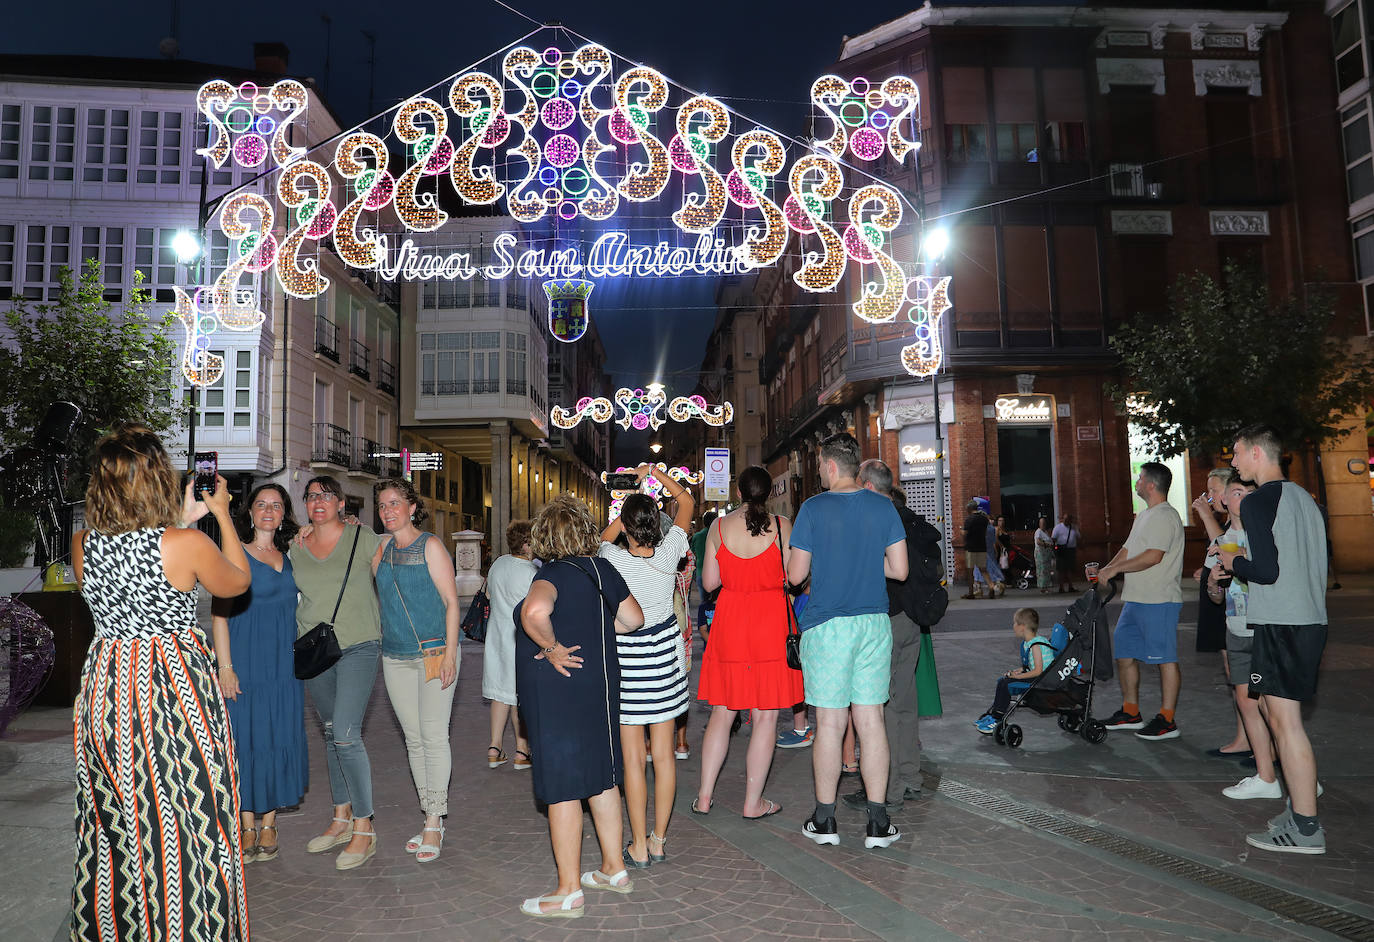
(717, 471)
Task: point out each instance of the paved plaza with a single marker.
(1058, 839)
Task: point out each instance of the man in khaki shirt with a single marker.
(1147, 629)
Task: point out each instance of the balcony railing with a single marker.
(386, 376)
(333, 445)
(365, 456)
(444, 388)
(358, 359)
(483, 386)
(516, 387)
(326, 337)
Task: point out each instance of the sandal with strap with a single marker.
(326, 841)
(497, 760)
(615, 882)
(662, 842)
(428, 851)
(570, 906)
(249, 852)
(265, 852)
(521, 764)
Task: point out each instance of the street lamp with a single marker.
(186, 246)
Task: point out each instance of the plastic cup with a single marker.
(1090, 572)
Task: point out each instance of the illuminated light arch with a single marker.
(596, 410)
(561, 138)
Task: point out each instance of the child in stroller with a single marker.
(1036, 655)
(1020, 568)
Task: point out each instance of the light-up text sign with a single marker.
(1032, 409)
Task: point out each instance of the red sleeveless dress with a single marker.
(745, 665)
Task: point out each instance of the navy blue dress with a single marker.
(268, 716)
(574, 722)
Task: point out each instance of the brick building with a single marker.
(1082, 158)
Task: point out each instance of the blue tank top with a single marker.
(408, 598)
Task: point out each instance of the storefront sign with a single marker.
(1024, 409)
(918, 458)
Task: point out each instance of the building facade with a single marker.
(1082, 158)
(98, 162)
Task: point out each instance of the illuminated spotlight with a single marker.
(936, 243)
(185, 245)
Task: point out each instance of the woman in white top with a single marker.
(508, 581)
(653, 681)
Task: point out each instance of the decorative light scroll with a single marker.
(596, 410)
(568, 314)
(686, 408)
(929, 300)
(556, 139)
(641, 408)
(651, 485)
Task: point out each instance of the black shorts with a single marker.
(1285, 659)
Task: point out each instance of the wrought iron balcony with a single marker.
(482, 386)
(516, 387)
(358, 359)
(326, 337)
(364, 456)
(333, 445)
(386, 376)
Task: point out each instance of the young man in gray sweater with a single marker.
(1286, 572)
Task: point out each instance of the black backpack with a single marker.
(923, 594)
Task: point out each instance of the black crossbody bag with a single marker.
(793, 629)
(318, 650)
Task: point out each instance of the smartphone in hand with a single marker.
(206, 464)
(622, 481)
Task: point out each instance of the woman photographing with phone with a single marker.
(157, 809)
(653, 677)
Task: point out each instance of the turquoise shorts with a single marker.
(848, 660)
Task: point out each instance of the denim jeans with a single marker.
(341, 694)
(424, 709)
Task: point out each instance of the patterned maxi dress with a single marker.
(157, 845)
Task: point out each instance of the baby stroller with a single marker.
(1020, 568)
(1083, 646)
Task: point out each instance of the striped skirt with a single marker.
(653, 679)
(157, 839)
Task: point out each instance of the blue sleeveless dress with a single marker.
(268, 716)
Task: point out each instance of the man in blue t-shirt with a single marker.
(850, 541)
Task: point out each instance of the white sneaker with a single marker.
(1254, 787)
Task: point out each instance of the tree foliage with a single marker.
(1229, 355)
(113, 364)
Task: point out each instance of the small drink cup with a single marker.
(1090, 572)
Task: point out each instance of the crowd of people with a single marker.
(588, 658)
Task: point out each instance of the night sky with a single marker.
(761, 63)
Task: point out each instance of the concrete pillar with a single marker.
(500, 486)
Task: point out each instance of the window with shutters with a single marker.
(47, 249)
(9, 141)
(52, 144)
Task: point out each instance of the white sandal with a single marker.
(430, 848)
(615, 882)
(318, 845)
(571, 906)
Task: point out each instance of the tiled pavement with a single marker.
(961, 871)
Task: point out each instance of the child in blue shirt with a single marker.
(1036, 655)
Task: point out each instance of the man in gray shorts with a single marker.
(1285, 567)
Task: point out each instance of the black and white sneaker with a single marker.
(823, 833)
(1123, 720)
(880, 836)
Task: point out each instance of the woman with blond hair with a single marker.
(568, 678)
(507, 582)
(157, 809)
